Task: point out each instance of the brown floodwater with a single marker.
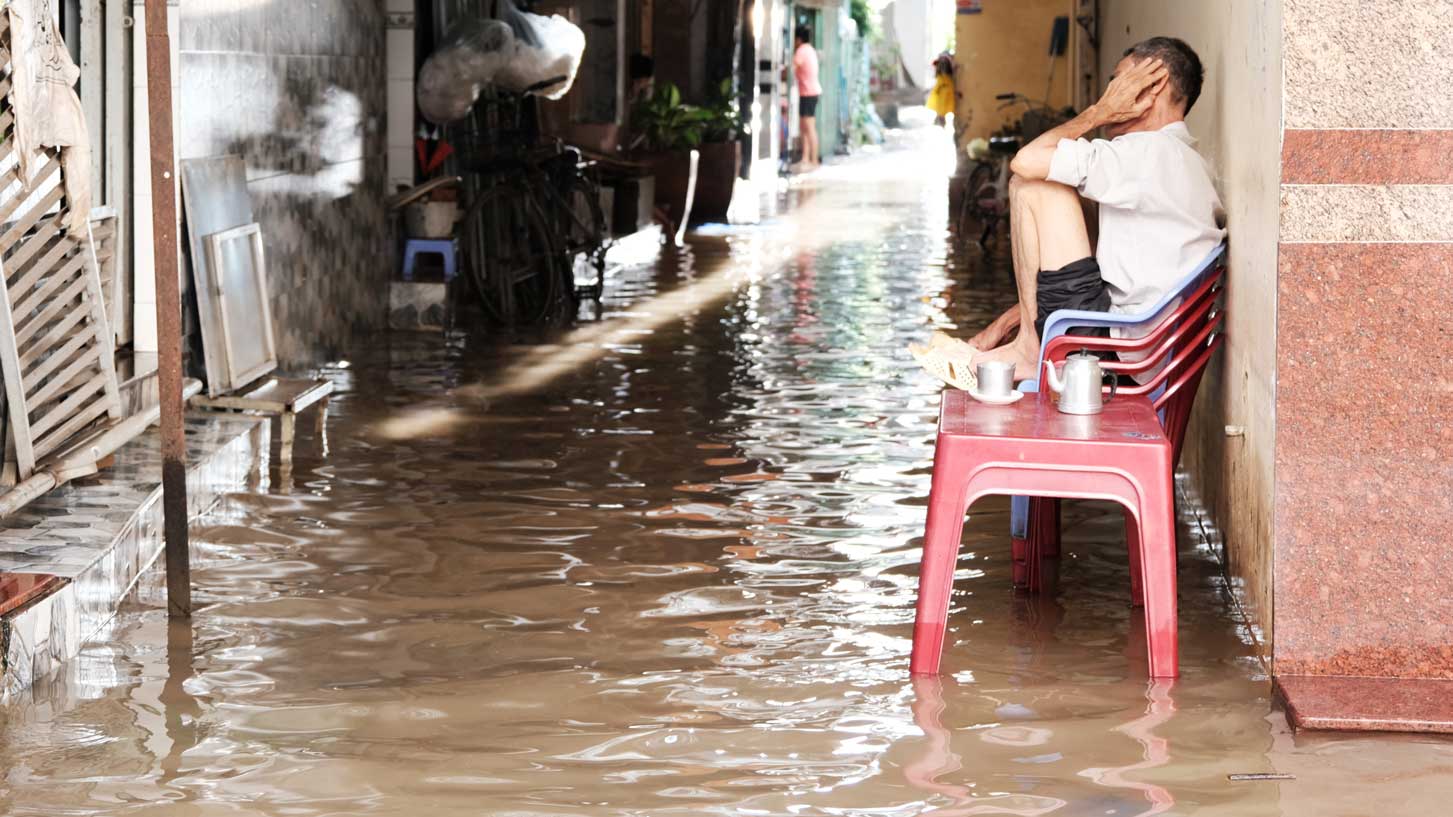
(666, 564)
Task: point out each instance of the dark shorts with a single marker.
(1076, 285)
(807, 105)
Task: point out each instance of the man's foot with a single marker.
(1026, 361)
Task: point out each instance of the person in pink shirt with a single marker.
(804, 64)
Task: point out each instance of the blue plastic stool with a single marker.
(446, 247)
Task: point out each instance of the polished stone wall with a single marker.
(1364, 453)
(297, 87)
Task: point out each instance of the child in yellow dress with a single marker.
(942, 97)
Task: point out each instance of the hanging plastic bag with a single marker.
(516, 50)
(469, 59)
(547, 53)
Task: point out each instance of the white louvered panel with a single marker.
(55, 341)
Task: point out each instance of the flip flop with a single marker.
(955, 373)
(952, 346)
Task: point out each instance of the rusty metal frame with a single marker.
(168, 310)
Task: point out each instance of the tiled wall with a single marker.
(99, 538)
(297, 87)
(1364, 454)
(400, 56)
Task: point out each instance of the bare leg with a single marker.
(1048, 232)
(809, 141)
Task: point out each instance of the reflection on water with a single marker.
(675, 576)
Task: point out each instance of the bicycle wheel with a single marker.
(541, 278)
(981, 194)
(517, 268)
(477, 233)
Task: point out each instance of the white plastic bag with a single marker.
(518, 51)
(552, 56)
(452, 77)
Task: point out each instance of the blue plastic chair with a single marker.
(1059, 323)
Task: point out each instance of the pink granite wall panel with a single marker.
(1367, 157)
(1364, 458)
(1363, 576)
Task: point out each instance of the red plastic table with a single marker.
(1031, 449)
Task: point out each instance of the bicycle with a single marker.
(986, 196)
(532, 207)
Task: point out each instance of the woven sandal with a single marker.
(952, 346)
(956, 373)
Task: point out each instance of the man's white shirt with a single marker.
(1158, 209)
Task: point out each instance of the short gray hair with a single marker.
(1186, 72)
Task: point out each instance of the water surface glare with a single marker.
(675, 576)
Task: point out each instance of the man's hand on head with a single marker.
(1130, 96)
(1131, 93)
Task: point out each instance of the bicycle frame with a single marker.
(521, 224)
(987, 196)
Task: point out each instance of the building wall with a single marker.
(913, 28)
(300, 93)
(1238, 123)
(1364, 570)
(400, 58)
(1002, 49)
(831, 54)
(678, 44)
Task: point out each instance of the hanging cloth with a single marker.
(46, 108)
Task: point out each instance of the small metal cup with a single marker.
(996, 378)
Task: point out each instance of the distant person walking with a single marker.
(804, 64)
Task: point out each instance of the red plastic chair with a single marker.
(1173, 391)
(1041, 535)
(1124, 455)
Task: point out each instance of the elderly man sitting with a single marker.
(1157, 220)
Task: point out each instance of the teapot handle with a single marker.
(1114, 387)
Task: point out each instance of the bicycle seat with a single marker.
(1005, 144)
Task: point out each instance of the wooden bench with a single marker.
(280, 397)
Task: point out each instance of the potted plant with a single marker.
(721, 155)
(669, 129)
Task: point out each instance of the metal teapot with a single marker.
(1080, 388)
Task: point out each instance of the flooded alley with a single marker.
(664, 562)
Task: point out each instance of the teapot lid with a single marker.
(1083, 354)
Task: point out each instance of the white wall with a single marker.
(399, 52)
(1239, 123)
